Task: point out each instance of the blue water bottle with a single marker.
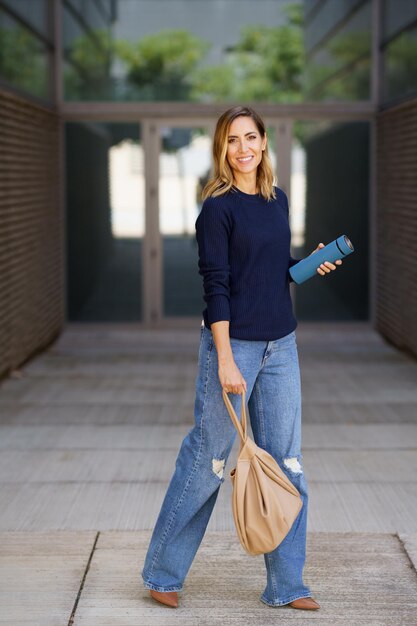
(306, 268)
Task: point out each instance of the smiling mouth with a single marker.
(244, 159)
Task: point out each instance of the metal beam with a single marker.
(133, 111)
(376, 55)
(57, 58)
(152, 262)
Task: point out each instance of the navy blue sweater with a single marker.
(244, 257)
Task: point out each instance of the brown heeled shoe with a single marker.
(305, 603)
(170, 598)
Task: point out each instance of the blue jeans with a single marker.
(272, 375)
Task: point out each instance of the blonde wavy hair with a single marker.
(222, 180)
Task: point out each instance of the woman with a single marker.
(247, 342)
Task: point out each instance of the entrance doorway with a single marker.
(134, 193)
(179, 163)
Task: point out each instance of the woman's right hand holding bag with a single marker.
(230, 376)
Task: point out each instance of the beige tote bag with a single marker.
(265, 502)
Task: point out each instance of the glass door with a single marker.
(178, 164)
(184, 168)
(105, 221)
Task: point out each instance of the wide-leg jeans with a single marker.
(272, 375)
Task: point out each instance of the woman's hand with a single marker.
(326, 267)
(231, 378)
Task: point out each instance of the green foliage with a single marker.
(22, 62)
(265, 65)
(348, 54)
(89, 65)
(159, 65)
(401, 65)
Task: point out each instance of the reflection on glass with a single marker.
(162, 50)
(127, 188)
(88, 51)
(185, 163)
(105, 221)
(23, 58)
(397, 15)
(338, 68)
(400, 65)
(34, 12)
(329, 198)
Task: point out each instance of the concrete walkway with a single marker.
(89, 433)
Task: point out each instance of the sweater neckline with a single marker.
(252, 197)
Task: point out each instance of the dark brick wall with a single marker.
(396, 226)
(31, 241)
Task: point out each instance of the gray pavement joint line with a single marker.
(412, 565)
(72, 616)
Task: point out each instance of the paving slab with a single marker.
(358, 578)
(349, 506)
(409, 541)
(88, 440)
(127, 465)
(40, 576)
(21, 414)
(44, 437)
(342, 386)
(320, 411)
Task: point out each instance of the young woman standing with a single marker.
(247, 342)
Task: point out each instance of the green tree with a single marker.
(22, 61)
(159, 66)
(89, 61)
(266, 64)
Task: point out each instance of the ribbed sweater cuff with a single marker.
(218, 309)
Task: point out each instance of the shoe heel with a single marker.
(169, 598)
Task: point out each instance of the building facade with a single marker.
(107, 109)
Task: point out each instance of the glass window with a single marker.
(24, 59)
(397, 14)
(105, 221)
(323, 17)
(184, 168)
(400, 65)
(34, 12)
(329, 198)
(87, 55)
(201, 51)
(340, 68)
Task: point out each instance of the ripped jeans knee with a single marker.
(218, 467)
(293, 464)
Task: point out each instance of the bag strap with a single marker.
(241, 426)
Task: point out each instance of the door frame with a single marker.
(152, 250)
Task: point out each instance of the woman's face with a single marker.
(244, 145)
